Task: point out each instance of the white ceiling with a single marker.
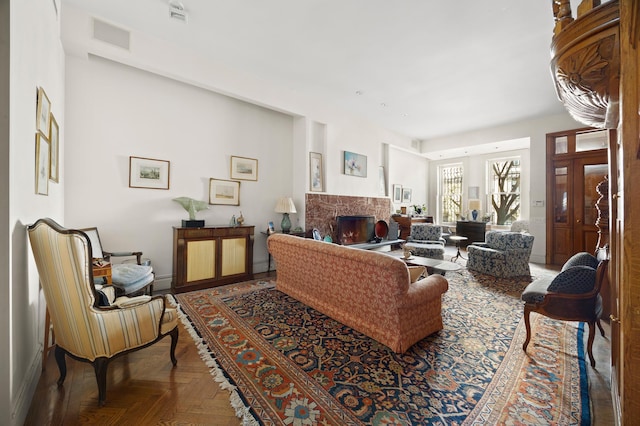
(422, 68)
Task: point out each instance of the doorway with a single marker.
(577, 161)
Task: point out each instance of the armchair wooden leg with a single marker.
(174, 343)
(62, 365)
(600, 327)
(527, 325)
(100, 368)
(592, 335)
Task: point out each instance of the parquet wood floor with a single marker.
(144, 389)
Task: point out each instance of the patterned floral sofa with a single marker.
(369, 291)
(503, 254)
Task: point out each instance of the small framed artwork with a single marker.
(355, 164)
(148, 173)
(406, 195)
(43, 113)
(397, 193)
(271, 229)
(315, 172)
(42, 164)
(54, 132)
(244, 168)
(225, 192)
(474, 192)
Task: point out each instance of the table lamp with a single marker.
(285, 206)
(474, 206)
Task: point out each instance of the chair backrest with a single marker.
(426, 232)
(96, 245)
(63, 260)
(500, 240)
(520, 226)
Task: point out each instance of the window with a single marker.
(504, 190)
(450, 192)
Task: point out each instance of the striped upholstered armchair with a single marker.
(84, 329)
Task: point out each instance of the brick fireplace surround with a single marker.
(321, 210)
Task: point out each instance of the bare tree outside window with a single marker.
(451, 192)
(505, 190)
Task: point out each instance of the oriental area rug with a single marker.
(287, 364)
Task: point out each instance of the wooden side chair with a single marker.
(90, 323)
(127, 278)
(572, 295)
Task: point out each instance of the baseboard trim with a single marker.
(20, 406)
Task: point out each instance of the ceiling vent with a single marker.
(110, 34)
(177, 11)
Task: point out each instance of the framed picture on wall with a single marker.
(225, 192)
(355, 164)
(244, 168)
(42, 164)
(54, 132)
(148, 173)
(316, 174)
(397, 193)
(43, 113)
(406, 195)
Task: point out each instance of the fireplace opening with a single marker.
(355, 229)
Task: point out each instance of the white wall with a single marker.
(115, 111)
(410, 170)
(536, 130)
(36, 59)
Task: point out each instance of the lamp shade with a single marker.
(474, 204)
(285, 205)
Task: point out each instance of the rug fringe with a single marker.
(242, 411)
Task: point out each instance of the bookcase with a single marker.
(211, 256)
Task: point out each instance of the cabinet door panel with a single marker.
(201, 260)
(234, 256)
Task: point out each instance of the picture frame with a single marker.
(43, 113)
(382, 183)
(54, 147)
(42, 164)
(406, 195)
(316, 174)
(243, 168)
(397, 193)
(270, 228)
(148, 173)
(224, 192)
(355, 164)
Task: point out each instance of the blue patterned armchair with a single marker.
(572, 295)
(426, 240)
(504, 254)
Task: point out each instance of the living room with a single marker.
(159, 101)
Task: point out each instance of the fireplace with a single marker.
(355, 229)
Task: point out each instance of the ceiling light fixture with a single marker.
(177, 11)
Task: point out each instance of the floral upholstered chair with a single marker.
(89, 323)
(426, 240)
(504, 254)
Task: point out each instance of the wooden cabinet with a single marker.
(211, 256)
(405, 221)
(474, 231)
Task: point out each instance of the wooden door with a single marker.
(577, 163)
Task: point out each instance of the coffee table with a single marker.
(434, 266)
